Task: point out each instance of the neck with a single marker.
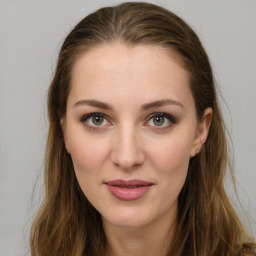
(150, 240)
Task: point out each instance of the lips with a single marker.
(128, 190)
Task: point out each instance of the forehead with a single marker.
(145, 70)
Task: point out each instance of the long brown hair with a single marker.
(66, 223)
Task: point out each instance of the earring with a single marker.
(197, 150)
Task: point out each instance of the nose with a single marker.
(127, 152)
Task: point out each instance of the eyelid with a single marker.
(84, 118)
(171, 119)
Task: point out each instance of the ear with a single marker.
(63, 127)
(202, 131)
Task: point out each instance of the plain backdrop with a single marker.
(31, 33)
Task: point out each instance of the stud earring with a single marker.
(197, 150)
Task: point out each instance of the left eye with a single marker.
(161, 120)
(95, 119)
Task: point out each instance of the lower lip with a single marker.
(128, 194)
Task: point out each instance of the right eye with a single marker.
(95, 120)
(161, 120)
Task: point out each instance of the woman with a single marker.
(136, 150)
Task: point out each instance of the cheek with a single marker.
(170, 159)
(171, 164)
(171, 153)
(88, 153)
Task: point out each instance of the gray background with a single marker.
(31, 33)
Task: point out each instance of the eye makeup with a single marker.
(161, 119)
(95, 120)
(158, 120)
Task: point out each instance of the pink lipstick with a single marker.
(128, 190)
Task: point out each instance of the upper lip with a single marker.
(128, 183)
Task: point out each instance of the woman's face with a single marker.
(131, 128)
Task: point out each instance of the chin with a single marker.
(128, 218)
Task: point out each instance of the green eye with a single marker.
(97, 120)
(159, 120)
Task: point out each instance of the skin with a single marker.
(128, 143)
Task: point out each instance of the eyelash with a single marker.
(172, 120)
(85, 118)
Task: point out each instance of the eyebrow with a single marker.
(144, 107)
(93, 103)
(160, 103)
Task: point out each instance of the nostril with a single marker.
(127, 160)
